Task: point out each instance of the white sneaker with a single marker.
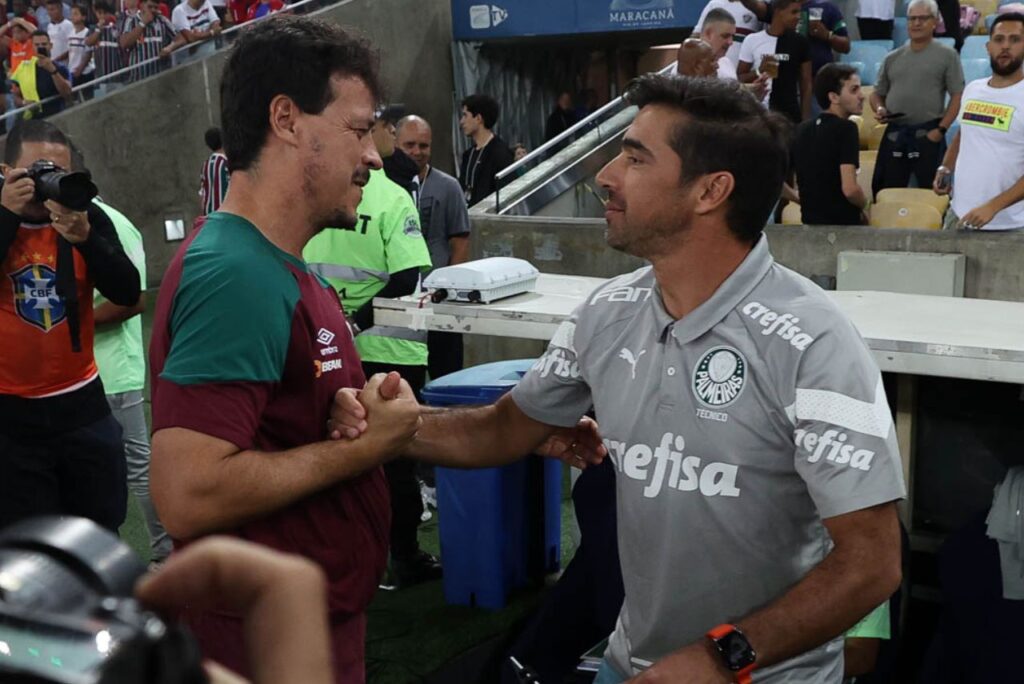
(429, 495)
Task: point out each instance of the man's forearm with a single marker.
(110, 314)
(460, 249)
(949, 160)
(220, 492)
(951, 111)
(847, 585)
(1012, 195)
(876, 101)
(478, 437)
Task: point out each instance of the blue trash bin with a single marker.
(499, 527)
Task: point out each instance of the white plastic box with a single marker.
(483, 280)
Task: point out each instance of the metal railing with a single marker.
(187, 54)
(564, 139)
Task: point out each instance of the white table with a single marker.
(910, 335)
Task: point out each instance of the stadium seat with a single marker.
(976, 68)
(989, 20)
(975, 48)
(906, 215)
(914, 196)
(868, 111)
(869, 73)
(881, 42)
(949, 42)
(791, 215)
(864, 176)
(875, 132)
(900, 34)
(868, 156)
(866, 51)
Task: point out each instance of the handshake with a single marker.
(386, 413)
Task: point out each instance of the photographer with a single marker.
(39, 78)
(60, 448)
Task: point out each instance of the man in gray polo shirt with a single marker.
(757, 464)
(444, 219)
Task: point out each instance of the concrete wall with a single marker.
(995, 261)
(144, 144)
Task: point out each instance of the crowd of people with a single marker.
(52, 46)
(790, 62)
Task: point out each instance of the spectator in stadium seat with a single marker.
(719, 31)
(59, 30)
(80, 54)
(987, 154)
(875, 19)
(826, 151)
(789, 91)
(214, 178)
(696, 58)
(147, 36)
(263, 8)
(196, 20)
(910, 99)
(821, 23)
(744, 19)
(562, 117)
(105, 40)
(16, 38)
(40, 16)
(40, 79)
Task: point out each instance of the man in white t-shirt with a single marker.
(987, 154)
(59, 30)
(79, 54)
(875, 19)
(719, 31)
(743, 19)
(196, 19)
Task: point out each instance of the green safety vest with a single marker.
(359, 261)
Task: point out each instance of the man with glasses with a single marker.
(910, 99)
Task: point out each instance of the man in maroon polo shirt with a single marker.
(249, 347)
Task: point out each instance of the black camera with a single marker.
(67, 616)
(74, 189)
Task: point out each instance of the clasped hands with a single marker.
(357, 414)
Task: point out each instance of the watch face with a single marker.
(736, 651)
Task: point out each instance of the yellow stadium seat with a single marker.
(791, 215)
(864, 175)
(919, 195)
(868, 156)
(867, 111)
(906, 215)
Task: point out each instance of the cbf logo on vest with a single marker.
(35, 296)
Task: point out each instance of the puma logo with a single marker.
(627, 356)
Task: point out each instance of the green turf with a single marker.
(411, 632)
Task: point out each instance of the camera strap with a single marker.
(67, 289)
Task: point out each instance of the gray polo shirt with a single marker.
(443, 214)
(916, 83)
(735, 431)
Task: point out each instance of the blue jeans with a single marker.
(607, 674)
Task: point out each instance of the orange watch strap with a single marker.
(720, 631)
(743, 676)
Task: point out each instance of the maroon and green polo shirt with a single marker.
(250, 347)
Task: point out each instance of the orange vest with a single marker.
(20, 52)
(35, 346)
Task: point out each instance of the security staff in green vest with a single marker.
(383, 256)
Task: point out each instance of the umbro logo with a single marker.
(627, 356)
(324, 336)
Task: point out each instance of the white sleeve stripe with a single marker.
(846, 412)
(564, 335)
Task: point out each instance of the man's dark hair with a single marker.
(213, 138)
(104, 6)
(82, 8)
(723, 128)
(54, 2)
(1002, 18)
(778, 5)
(485, 106)
(31, 131)
(830, 80)
(717, 16)
(291, 56)
(41, 32)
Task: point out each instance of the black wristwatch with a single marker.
(737, 654)
(942, 129)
